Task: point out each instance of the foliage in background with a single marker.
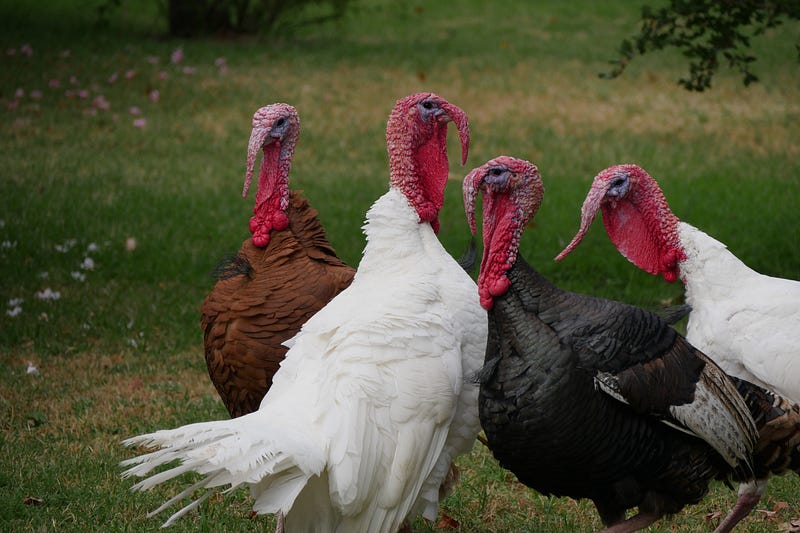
(196, 18)
(704, 30)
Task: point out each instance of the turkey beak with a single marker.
(459, 117)
(259, 137)
(589, 210)
(470, 188)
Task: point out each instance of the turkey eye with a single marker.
(427, 105)
(281, 121)
(496, 172)
(618, 187)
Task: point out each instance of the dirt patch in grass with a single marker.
(104, 397)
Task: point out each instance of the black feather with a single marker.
(232, 265)
(484, 374)
(468, 260)
(674, 313)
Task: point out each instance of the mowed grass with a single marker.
(154, 207)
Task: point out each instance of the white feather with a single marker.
(369, 406)
(747, 322)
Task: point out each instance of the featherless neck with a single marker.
(272, 197)
(419, 169)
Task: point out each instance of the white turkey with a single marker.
(591, 398)
(747, 322)
(370, 404)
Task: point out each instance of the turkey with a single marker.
(590, 398)
(370, 405)
(281, 276)
(747, 322)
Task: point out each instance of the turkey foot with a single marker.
(634, 523)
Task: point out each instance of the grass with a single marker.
(119, 353)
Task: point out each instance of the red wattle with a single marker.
(628, 230)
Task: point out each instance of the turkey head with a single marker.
(637, 218)
(416, 139)
(275, 131)
(512, 193)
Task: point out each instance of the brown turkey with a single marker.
(590, 398)
(282, 275)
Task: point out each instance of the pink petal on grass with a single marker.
(189, 70)
(19, 93)
(12, 105)
(129, 75)
(100, 102)
(162, 75)
(26, 50)
(222, 65)
(154, 95)
(177, 55)
(113, 78)
(135, 111)
(83, 94)
(54, 83)
(140, 123)
(48, 294)
(36, 94)
(153, 60)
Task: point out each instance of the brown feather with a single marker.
(778, 421)
(251, 311)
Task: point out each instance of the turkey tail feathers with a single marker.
(778, 423)
(227, 455)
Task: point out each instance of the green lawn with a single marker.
(97, 165)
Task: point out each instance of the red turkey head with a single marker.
(637, 219)
(275, 131)
(512, 193)
(416, 139)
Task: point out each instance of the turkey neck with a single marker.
(272, 196)
(305, 225)
(513, 319)
(709, 271)
(396, 239)
(420, 173)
